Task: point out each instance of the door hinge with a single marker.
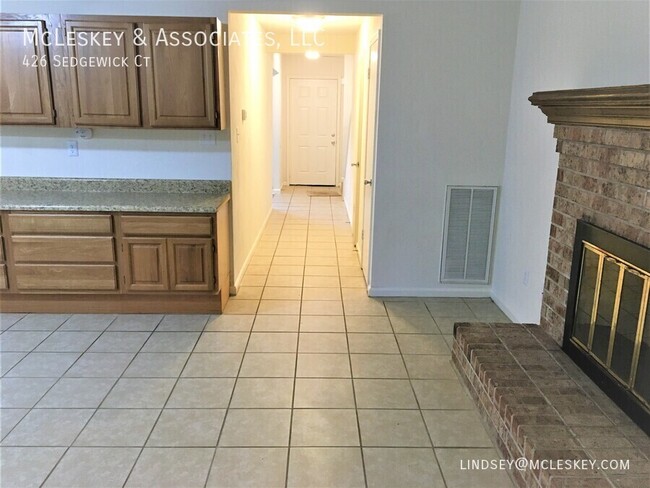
(362, 234)
(54, 114)
(368, 73)
(214, 248)
(214, 280)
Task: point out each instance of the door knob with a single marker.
(354, 164)
(367, 182)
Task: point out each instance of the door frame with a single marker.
(361, 186)
(287, 137)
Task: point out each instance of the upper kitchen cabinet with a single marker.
(112, 71)
(180, 76)
(25, 86)
(103, 94)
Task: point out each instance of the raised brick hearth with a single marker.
(539, 405)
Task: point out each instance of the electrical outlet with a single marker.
(73, 149)
(83, 133)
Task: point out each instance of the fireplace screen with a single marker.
(608, 311)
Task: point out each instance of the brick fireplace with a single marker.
(604, 178)
(536, 400)
(603, 184)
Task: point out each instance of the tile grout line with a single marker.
(30, 409)
(153, 426)
(237, 377)
(317, 214)
(295, 374)
(96, 409)
(408, 375)
(354, 391)
(109, 392)
(171, 391)
(4, 376)
(27, 353)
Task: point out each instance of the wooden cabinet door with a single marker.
(105, 95)
(180, 80)
(145, 264)
(190, 264)
(25, 86)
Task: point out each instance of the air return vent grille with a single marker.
(467, 244)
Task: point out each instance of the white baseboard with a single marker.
(428, 292)
(234, 289)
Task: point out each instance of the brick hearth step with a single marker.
(539, 405)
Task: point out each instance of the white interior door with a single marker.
(371, 128)
(313, 116)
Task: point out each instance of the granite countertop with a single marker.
(59, 194)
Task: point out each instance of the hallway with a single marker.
(303, 382)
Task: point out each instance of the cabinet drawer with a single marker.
(65, 277)
(145, 225)
(4, 283)
(64, 224)
(63, 249)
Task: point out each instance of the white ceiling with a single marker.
(331, 24)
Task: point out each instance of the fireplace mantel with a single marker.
(618, 106)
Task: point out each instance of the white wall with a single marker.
(277, 122)
(445, 92)
(116, 153)
(560, 45)
(348, 157)
(251, 90)
(446, 72)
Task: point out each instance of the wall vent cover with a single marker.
(467, 241)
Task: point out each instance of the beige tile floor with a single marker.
(303, 382)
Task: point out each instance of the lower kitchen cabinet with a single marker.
(159, 264)
(115, 262)
(145, 264)
(191, 264)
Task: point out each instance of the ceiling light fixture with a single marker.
(312, 55)
(309, 23)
